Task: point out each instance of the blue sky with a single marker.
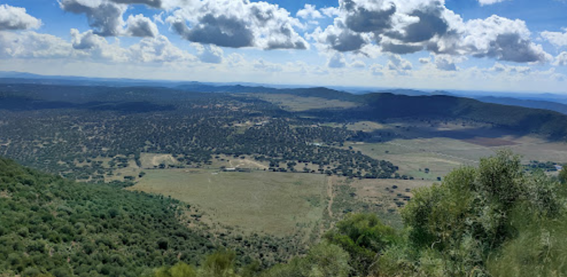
(491, 45)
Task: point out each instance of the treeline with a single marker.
(494, 220)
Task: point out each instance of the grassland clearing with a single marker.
(440, 155)
(132, 171)
(243, 161)
(298, 104)
(365, 126)
(153, 160)
(274, 203)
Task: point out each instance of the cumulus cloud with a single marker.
(409, 26)
(558, 39)
(424, 60)
(377, 70)
(95, 47)
(209, 53)
(151, 3)
(445, 63)
(399, 26)
(148, 50)
(264, 66)
(337, 61)
(330, 11)
(92, 47)
(399, 64)
(87, 40)
(489, 2)
(33, 45)
(509, 69)
(503, 39)
(309, 12)
(561, 59)
(14, 18)
(141, 26)
(106, 18)
(358, 64)
(238, 24)
(339, 38)
(159, 50)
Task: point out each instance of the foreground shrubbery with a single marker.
(52, 225)
(476, 222)
(494, 220)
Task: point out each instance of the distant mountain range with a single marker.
(547, 101)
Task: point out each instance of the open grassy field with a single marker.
(441, 155)
(243, 161)
(274, 203)
(152, 160)
(298, 104)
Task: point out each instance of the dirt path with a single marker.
(331, 195)
(255, 163)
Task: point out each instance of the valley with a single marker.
(280, 168)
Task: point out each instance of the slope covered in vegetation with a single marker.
(493, 220)
(49, 224)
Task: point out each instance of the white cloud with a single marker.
(561, 59)
(31, 45)
(106, 18)
(141, 26)
(509, 69)
(409, 26)
(337, 61)
(309, 12)
(489, 2)
(209, 53)
(558, 39)
(503, 39)
(238, 24)
(399, 64)
(261, 65)
(358, 64)
(377, 70)
(424, 60)
(96, 48)
(330, 11)
(89, 46)
(340, 38)
(159, 50)
(14, 18)
(445, 62)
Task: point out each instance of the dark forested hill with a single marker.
(534, 104)
(381, 106)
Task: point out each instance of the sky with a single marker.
(481, 45)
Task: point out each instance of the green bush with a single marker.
(479, 217)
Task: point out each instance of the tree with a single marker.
(563, 175)
(364, 237)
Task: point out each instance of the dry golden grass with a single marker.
(273, 203)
